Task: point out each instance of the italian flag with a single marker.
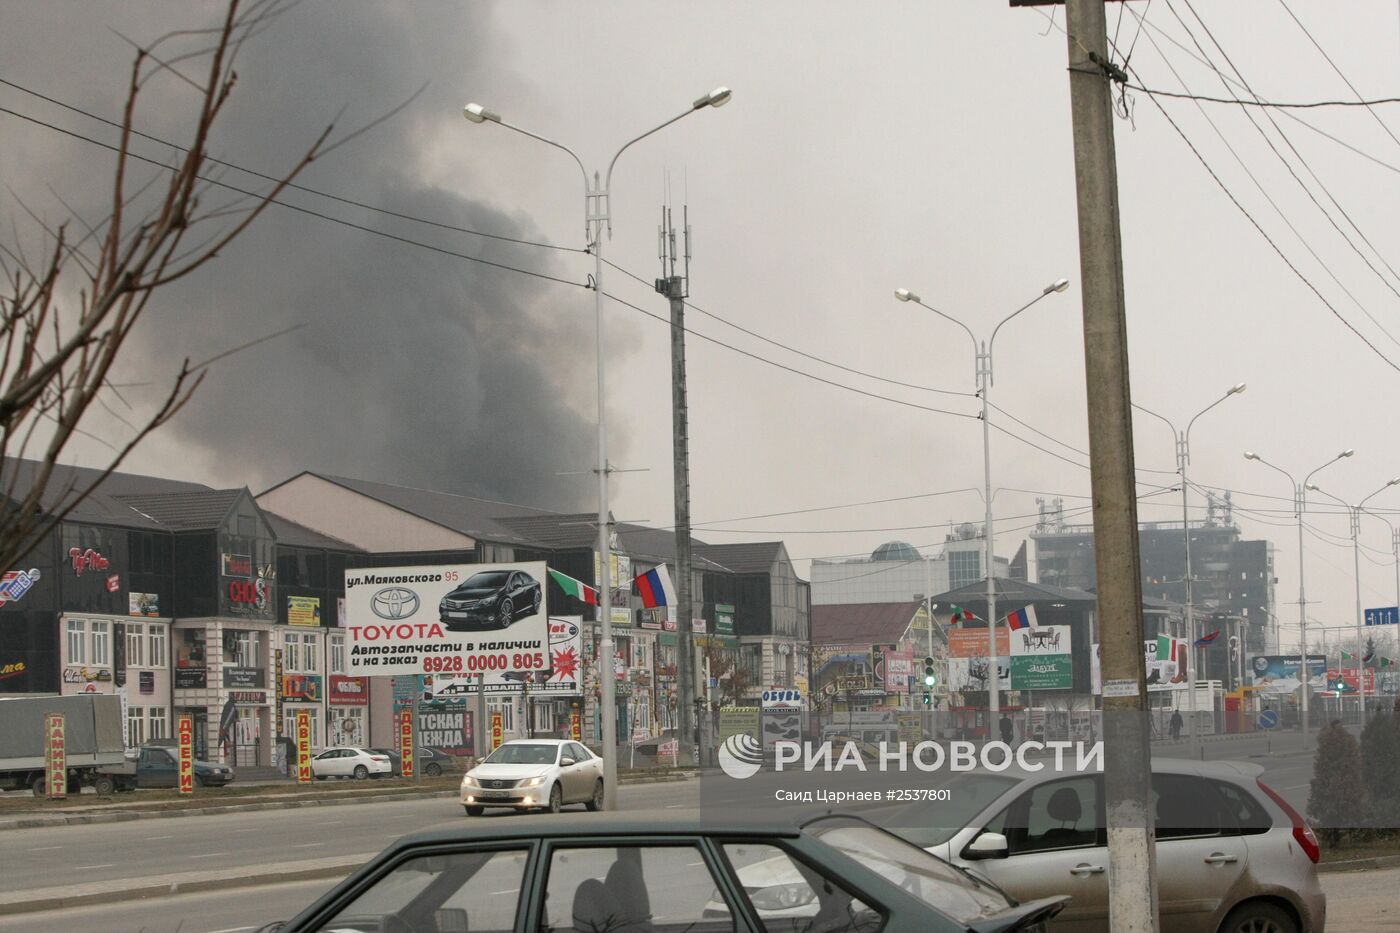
(575, 588)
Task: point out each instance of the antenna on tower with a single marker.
(669, 253)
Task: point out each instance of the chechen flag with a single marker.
(655, 588)
(1021, 618)
(575, 588)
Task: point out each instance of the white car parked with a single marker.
(529, 773)
(348, 762)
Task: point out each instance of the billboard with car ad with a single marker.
(560, 677)
(448, 619)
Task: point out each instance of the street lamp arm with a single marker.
(1238, 388)
(1023, 307)
(548, 142)
(1360, 506)
(607, 184)
(1293, 483)
(1162, 418)
(1344, 454)
(947, 317)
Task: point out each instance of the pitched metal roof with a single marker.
(469, 515)
(1009, 589)
(103, 505)
(290, 533)
(862, 623)
(746, 557)
(196, 510)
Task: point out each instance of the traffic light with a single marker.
(930, 678)
(928, 698)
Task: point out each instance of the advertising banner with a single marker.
(303, 610)
(244, 678)
(497, 730)
(972, 642)
(185, 735)
(1279, 672)
(1347, 675)
(303, 746)
(449, 730)
(1164, 674)
(576, 726)
(55, 756)
(738, 720)
(560, 678)
(1040, 658)
(301, 688)
(781, 723)
(1041, 672)
(449, 619)
(348, 691)
(406, 745)
(970, 674)
(143, 604)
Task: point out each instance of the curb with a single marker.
(127, 816)
(1361, 864)
(142, 892)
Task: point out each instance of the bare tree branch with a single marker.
(57, 362)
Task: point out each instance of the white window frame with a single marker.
(337, 653)
(158, 645)
(245, 648)
(310, 651)
(77, 641)
(158, 722)
(100, 635)
(506, 707)
(135, 645)
(135, 726)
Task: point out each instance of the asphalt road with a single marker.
(56, 855)
(1357, 902)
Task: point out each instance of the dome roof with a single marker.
(896, 550)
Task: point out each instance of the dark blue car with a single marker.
(491, 599)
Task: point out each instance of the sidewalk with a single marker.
(105, 892)
(85, 814)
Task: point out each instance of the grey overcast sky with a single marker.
(867, 147)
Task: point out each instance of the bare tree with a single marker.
(58, 360)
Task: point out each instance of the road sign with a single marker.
(1384, 615)
(1268, 719)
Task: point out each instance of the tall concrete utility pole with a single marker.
(1132, 869)
(676, 288)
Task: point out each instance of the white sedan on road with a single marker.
(348, 762)
(528, 773)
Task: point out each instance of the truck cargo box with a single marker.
(92, 723)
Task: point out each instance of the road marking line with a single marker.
(209, 855)
(234, 930)
(45, 848)
(92, 867)
(232, 831)
(509, 891)
(308, 845)
(158, 838)
(674, 806)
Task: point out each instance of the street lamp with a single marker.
(597, 214)
(1183, 457)
(983, 360)
(1354, 512)
(1300, 504)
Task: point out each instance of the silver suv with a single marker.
(1232, 855)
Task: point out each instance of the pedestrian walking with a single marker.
(1008, 731)
(1175, 725)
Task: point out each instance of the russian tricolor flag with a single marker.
(655, 588)
(1021, 618)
